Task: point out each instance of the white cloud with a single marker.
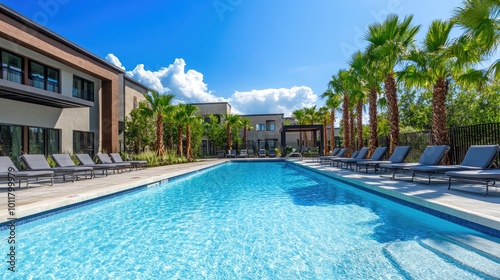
(111, 58)
(279, 100)
(188, 86)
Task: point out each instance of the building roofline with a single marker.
(262, 115)
(43, 30)
(132, 80)
(210, 103)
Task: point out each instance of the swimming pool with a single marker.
(255, 221)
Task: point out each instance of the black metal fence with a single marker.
(460, 139)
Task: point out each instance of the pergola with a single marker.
(303, 128)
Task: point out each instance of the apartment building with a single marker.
(54, 95)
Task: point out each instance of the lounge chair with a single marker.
(326, 159)
(398, 156)
(64, 160)
(9, 171)
(477, 157)
(377, 155)
(116, 158)
(488, 176)
(272, 153)
(250, 153)
(432, 155)
(231, 153)
(243, 153)
(37, 162)
(335, 161)
(104, 158)
(86, 160)
(262, 153)
(323, 159)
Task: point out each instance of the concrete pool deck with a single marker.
(465, 201)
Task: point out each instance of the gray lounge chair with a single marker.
(326, 159)
(488, 176)
(116, 158)
(262, 153)
(243, 153)
(477, 157)
(377, 155)
(272, 153)
(9, 171)
(37, 162)
(231, 153)
(355, 154)
(432, 155)
(64, 160)
(104, 158)
(398, 156)
(86, 160)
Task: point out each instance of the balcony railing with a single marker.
(12, 75)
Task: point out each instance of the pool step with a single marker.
(438, 258)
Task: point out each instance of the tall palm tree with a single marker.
(157, 106)
(389, 42)
(364, 67)
(300, 116)
(190, 114)
(324, 115)
(438, 62)
(246, 124)
(333, 103)
(231, 121)
(340, 84)
(180, 121)
(311, 115)
(479, 19)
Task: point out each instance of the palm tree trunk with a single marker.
(245, 137)
(439, 132)
(351, 129)
(372, 104)
(160, 150)
(325, 137)
(179, 140)
(332, 130)
(345, 117)
(359, 124)
(189, 149)
(229, 140)
(393, 111)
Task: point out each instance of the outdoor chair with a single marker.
(477, 157)
(116, 158)
(231, 153)
(432, 155)
(272, 153)
(243, 153)
(9, 171)
(323, 159)
(262, 153)
(488, 176)
(86, 160)
(335, 161)
(326, 159)
(64, 160)
(37, 162)
(104, 158)
(398, 156)
(377, 155)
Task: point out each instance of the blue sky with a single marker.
(262, 56)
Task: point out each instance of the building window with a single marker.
(43, 77)
(83, 142)
(12, 67)
(11, 142)
(44, 141)
(83, 89)
(260, 127)
(270, 125)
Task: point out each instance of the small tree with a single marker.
(139, 131)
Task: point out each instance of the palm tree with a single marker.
(333, 103)
(158, 106)
(190, 114)
(300, 116)
(364, 67)
(180, 120)
(231, 121)
(324, 115)
(479, 18)
(339, 84)
(389, 42)
(311, 116)
(246, 124)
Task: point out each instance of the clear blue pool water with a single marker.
(247, 221)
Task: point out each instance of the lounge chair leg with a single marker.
(449, 183)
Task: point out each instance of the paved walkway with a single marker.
(464, 200)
